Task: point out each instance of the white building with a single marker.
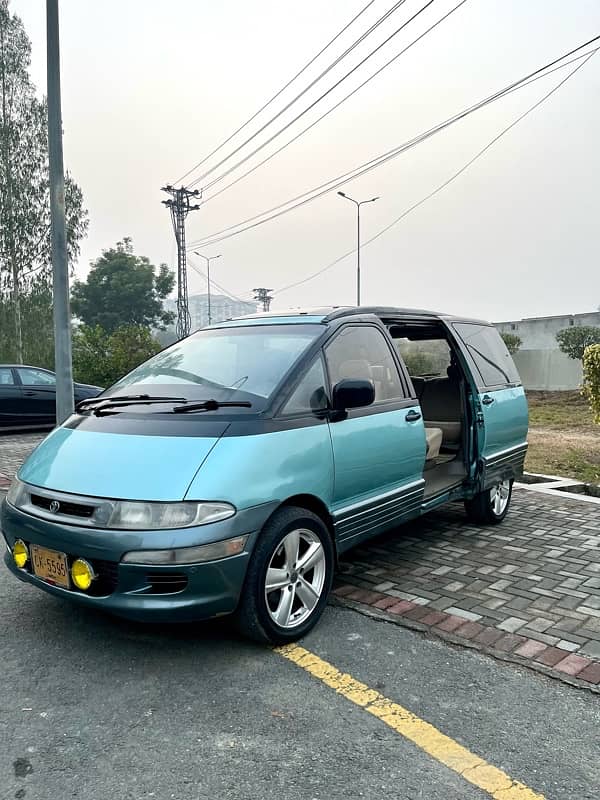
(221, 308)
(539, 361)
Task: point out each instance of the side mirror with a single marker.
(352, 394)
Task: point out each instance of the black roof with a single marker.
(330, 313)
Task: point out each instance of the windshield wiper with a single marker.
(211, 405)
(97, 404)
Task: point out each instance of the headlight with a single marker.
(133, 515)
(14, 493)
(188, 555)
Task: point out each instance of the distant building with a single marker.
(539, 360)
(221, 308)
(539, 333)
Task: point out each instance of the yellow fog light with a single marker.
(82, 574)
(20, 553)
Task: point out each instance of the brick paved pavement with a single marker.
(14, 449)
(527, 590)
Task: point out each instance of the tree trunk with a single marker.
(17, 314)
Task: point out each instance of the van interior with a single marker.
(441, 386)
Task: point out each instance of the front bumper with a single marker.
(173, 593)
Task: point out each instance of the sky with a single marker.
(150, 88)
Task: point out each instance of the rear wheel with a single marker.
(288, 579)
(490, 507)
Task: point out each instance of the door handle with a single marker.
(29, 394)
(487, 400)
(413, 416)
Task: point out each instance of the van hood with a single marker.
(123, 466)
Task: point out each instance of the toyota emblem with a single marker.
(54, 506)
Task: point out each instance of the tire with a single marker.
(490, 507)
(294, 605)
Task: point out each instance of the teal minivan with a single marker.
(227, 474)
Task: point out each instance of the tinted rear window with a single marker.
(488, 352)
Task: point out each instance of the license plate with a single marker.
(50, 566)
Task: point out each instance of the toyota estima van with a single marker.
(226, 474)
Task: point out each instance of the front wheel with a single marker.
(490, 507)
(288, 579)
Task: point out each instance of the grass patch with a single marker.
(562, 411)
(564, 439)
(546, 458)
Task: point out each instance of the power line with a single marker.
(334, 183)
(315, 102)
(227, 293)
(277, 94)
(333, 108)
(443, 185)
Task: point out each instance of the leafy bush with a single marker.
(591, 379)
(101, 358)
(512, 341)
(573, 341)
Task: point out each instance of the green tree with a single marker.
(123, 289)
(573, 341)
(25, 259)
(101, 358)
(512, 341)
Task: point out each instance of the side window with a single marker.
(36, 377)
(425, 359)
(363, 353)
(310, 394)
(489, 354)
(6, 377)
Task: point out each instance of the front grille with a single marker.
(166, 582)
(65, 507)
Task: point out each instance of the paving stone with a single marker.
(401, 607)
(591, 648)
(386, 602)
(571, 647)
(451, 623)
(460, 612)
(509, 642)
(572, 664)
(550, 656)
(512, 624)
(433, 618)
(489, 635)
(469, 630)
(530, 648)
(591, 673)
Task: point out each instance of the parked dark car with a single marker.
(28, 396)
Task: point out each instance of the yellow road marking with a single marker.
(471, 767)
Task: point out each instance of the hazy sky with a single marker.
(149, 88)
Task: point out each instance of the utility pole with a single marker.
(60, 269)
(262, 296)
(179, 206)
(358, 204)
(208, 259)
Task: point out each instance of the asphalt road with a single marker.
(93, 707)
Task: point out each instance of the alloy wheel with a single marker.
(295, 578)
(499, 497)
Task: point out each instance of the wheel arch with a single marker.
(313, 503)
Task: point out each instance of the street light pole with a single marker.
(60, 269)
(208, 259)
(358, 204)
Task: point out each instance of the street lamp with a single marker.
(358, 204)
(208, 259)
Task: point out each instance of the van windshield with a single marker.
(243, 364)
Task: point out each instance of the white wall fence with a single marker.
(548, 370)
